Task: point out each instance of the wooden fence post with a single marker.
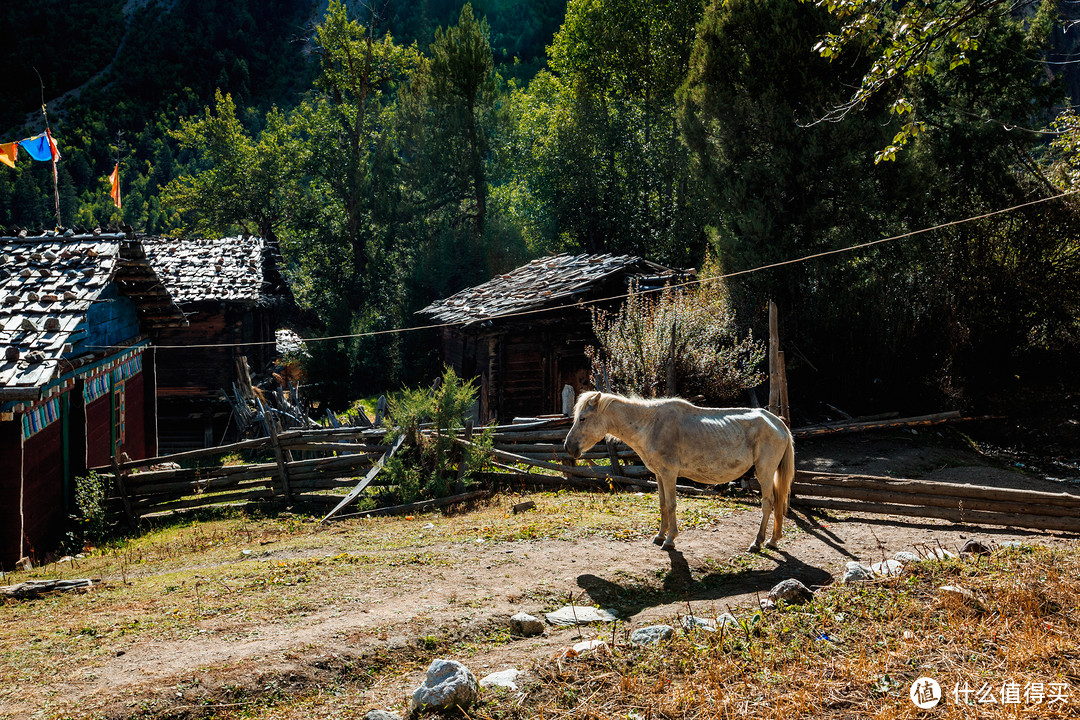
(459, 486)
(271, 429)
(121, 489)
(773, 360)
(785, 408)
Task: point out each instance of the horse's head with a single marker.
(589, 426)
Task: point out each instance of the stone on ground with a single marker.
(651, 635)
(856, 572)
(504, 679)
(579, 615)
(525, 624)
(448, 684)
(381, 715)
(789, 592)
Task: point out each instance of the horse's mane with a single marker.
(607, 398)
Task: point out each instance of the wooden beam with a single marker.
(367, 478)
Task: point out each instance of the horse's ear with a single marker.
(594, 400)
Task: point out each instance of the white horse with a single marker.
(709, 445)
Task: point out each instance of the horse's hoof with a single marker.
(668, 546)
(659, 540)
(772, 545)
(754, 548)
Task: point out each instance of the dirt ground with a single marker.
(471, 595)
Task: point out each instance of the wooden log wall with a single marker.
(328, 459)
(533, 454)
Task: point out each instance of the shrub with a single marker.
(428, 466)
(711, 359)
(89, 524)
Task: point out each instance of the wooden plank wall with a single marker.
(44, 504)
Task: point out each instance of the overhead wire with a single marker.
(622, 296)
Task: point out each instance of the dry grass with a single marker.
(853, 652)
(237, 572)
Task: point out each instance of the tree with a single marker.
(243, 182)
(912, 41)
(596, 152)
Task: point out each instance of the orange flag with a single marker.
(8, 151)
(114, 183)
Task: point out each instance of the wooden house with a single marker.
(235, 299)
(523, 334)
(76, 377)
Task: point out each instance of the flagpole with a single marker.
(52, 151)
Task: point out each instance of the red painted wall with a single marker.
(10, 469)
(98, 432)
(135, 417)
(44, 509)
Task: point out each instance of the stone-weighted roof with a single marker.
(543, 282)
(231, 269)
(48, 284)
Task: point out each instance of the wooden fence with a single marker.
(313, 465)
(303, 462)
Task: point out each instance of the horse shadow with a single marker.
(679, 584)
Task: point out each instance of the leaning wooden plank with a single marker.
(972, 517)
(155, 477)
(814, 430)
(279, 454)
(336, 447)
(195, 454)
(212, 500)
(182, 490)
(1062, 499)
(121, 490)
(418, 507)
(367, 478)
(585, 483)
(568, 469)
(955, 502)
(34, 588)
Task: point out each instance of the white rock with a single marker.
(525, 624)
(448, 684)
(504, 678)
(651, 635)
(579, 615)
(962, 595)
(589, 646)
(381, 715)
(856, 572)
(887, 567)
(906, 556)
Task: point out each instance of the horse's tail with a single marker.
(785, 476)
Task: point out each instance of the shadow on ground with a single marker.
(680, 584)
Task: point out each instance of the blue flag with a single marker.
(38, 147)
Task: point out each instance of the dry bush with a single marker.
(854, 652)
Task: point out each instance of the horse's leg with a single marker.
(661, 536)
(765, 480)
(669, 527)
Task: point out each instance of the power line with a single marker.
(596, 301)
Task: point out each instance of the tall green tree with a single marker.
(598, 160)
(241, 181)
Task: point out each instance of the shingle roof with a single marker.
(47, 286)
(542, 282)
(236, 269)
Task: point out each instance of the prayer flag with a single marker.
(55, 153)
(40, 147)
(114, 184)
(8, 153)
